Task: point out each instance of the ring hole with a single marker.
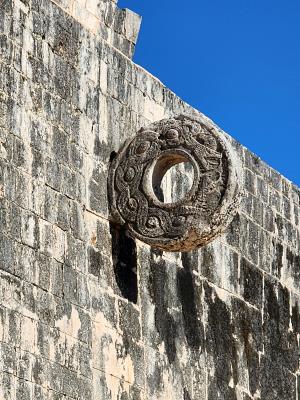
(172, 178)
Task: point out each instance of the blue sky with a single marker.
(237, 61)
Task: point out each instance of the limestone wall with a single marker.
(85, 311)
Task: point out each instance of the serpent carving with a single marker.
(136, 173)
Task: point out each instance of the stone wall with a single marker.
(86, 312)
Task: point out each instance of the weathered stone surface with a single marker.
(205, 211)
(87, 312)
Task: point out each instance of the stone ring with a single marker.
(136, 173)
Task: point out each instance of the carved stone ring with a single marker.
(208, 207)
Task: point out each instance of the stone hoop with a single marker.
(208, 207)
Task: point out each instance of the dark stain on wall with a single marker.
(293, 263)
(248, 328)
(220, 342)
(186, 293)
(277, 260)
(186, 395)
(164, 321)
(295, 317)
(125, 262)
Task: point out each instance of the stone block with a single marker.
(8, 359)
(251, 283)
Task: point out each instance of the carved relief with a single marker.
(137, 171)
